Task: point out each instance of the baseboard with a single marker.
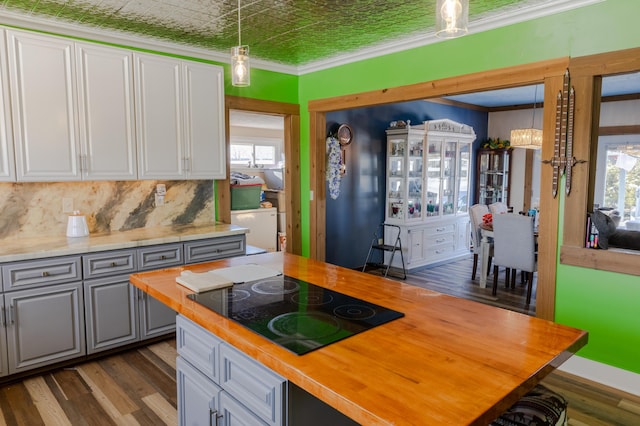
(614, 377)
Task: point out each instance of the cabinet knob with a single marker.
(114, 264)
(45, 273)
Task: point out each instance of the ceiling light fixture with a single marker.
(240, 64)
(528, 138)
(452, 18)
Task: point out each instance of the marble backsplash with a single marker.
(29, 210)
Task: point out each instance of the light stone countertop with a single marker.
(12, 250)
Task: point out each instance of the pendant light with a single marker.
(528, 138)
(452, 18)
(240, 63)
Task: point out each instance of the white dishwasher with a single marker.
(262, 225)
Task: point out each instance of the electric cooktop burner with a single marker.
(295, 314)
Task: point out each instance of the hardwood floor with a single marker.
(138, 387)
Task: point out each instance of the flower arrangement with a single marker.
(496, 143)
(487, 219)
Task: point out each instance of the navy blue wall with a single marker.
(353, 217)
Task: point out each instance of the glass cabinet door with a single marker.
(449, 177)
(434, 170)
(414, 182)
(396, 176)
(464, 161)
(493, 176)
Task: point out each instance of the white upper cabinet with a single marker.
(43, 99)
(179, 112)
(159, 117)
(106, 112)
(7, 169)
(73, 111)
(204, 121)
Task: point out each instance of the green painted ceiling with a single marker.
(281, 31)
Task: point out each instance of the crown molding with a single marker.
(490, 22)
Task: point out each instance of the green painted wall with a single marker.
(605, 304)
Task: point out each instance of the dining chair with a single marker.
(514, 248)
(476, 212)
(498, 208)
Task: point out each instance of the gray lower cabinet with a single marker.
(44, 326)
(219, 385)
(111, 312)
(229, 388)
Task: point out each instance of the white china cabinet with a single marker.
(428, 172)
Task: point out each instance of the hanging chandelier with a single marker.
(240, 62)
(452, 18)
(528, 138)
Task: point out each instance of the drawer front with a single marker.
(440, 251)
(109, 263)
(440, 239)
(158, 257)
(34, 273)
(216, 248)
(254, 385)
(441, 229)
(198, 346)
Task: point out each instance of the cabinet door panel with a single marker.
(111, 313)
(4, 364)
(159, 117)
(45, 326)
(44, 107)
(7, 159)
(105, 77)
(197, 396)
(156, 318)
(235, 414)
(204, 125)
(255, 386)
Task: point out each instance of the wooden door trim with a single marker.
(291, 115)
(494, 79)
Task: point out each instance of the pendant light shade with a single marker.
(240, 66)
(240, 63)
(528, 138)
(452, 18)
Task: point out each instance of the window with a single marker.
(607, 126)
(617, 185)
(256, 152)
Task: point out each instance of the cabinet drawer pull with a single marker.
(440, 229)
(45, 273)
(114, 264)
(163, 257)
(441, 240)
(439, 251)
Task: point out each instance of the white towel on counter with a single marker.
(203, 281)
(224, 277)
(245, 273)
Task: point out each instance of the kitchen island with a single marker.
(447, 361)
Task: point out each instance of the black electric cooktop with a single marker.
(295, 314)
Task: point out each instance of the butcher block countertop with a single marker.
(447, 361)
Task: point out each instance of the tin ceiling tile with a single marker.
(291, 32)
